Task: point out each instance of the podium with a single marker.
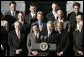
(43, 48)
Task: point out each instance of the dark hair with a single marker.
(12, 2)
(21, 12)
(32, 4)
(76, 4)
(34, 24)
(54, 2)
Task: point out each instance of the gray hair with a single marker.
(50, 22)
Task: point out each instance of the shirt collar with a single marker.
(12, 12)
(53, 12)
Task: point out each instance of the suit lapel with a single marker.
(52, 16)
(9, 13)
(16, 14)
(21, 37)
(16, 39)
(30, 16)
(46, 36)
(50, 36)
(33, 37)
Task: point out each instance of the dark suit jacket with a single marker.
(51, 38)
(63, 42)
(25, 29)
(4, 40)
(31, 40)
(29, 20)
(78, 40)
(9, 13)
(50, 17)
(14, 43)
(72, 18)
(10, 18)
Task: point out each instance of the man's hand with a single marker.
(2, 48)
(18, 51)
(35, 53)
(59, 53)
(80, 52)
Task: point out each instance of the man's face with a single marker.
(49, 27)
(12, 7)
(59, 27)
(32, 8)
(35, 28)
(39, 17)
(21, 16)
(54, 7)
(17, 26)
(59, 13)
(76, 9)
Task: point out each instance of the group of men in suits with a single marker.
(26, 30)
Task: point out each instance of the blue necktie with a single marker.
(40, 26)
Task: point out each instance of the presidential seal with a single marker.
(43, 46)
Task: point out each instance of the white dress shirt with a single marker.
(37, 34)
(55, 14)
(13, 13)
(33, 14)
(49, 34)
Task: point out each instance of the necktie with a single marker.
(13, 14)
(40, 26)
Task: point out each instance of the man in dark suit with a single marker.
(78, 39)
(53, 15)
(72, 19)
(33, 37)
(25, 26)
(31, 17)
(16, 41)
(72, 16)
(11, 15)
(49, 36)
(40, 21)
(50, 33)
